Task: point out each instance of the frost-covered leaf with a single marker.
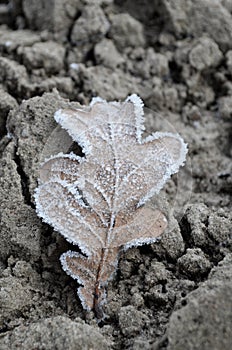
(97, 201)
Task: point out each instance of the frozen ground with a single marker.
(177, 55)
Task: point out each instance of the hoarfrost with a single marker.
(97, 201)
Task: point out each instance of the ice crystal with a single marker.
(97, 201)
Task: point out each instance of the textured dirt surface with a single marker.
(177, 55)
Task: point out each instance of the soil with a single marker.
(177, 56)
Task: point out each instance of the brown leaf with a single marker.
(97, 201)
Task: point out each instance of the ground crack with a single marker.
(24, 179)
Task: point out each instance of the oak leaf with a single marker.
(97, 201)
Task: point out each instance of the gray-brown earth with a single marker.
(177, 55)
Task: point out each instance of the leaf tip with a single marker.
(139, 114)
